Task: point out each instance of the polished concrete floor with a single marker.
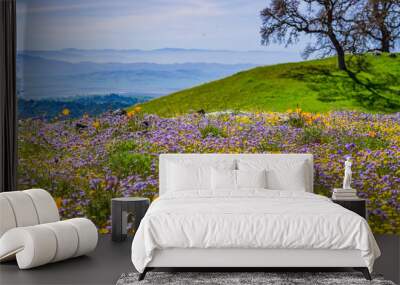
(103, 266)
(111, 259)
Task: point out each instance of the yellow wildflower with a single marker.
(130, 114)
(58, 201)
(96, 124)
(244, 120)
(66, 112)
(137, 109)
(103, 231)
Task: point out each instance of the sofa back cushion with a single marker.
(26, 208)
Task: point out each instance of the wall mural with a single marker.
(104, 87)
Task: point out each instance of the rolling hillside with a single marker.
(315, 86)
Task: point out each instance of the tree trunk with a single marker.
(385, 41)
(339, 52)
(333, 38)
(341, 59)
(381, 12)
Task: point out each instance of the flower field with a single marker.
(86, 162)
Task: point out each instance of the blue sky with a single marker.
(146, 24)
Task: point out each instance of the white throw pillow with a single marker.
(223, 179)
(289, 175)
(183, 177)
(251, 178)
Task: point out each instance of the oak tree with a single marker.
(379, 25)
(330, 24)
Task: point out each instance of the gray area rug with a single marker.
(269, 278)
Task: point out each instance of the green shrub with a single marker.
(98, 210)
(137, 123)
(126, 163)
(296, 120)
(312, 135)
(363, 142)
(123, 146)
(267, 146)
(372, 143)
(211, 131)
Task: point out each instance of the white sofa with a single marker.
(31, 230)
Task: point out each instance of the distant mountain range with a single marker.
(136, 73)
(77, 106)
(41, 77)
(167, 56)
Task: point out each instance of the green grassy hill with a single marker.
(315, 86)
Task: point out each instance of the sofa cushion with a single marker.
(45, 205)
(23, 208)
(7, 220)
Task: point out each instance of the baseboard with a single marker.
(389, 262)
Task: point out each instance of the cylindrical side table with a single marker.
(120, 209)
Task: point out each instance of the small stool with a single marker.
(120, 209)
